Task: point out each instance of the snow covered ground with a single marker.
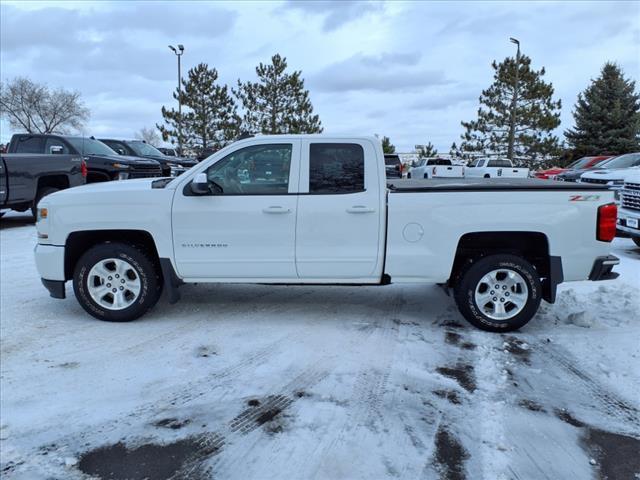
(260, 382)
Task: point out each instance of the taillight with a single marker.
(607, 217)
(83, 168)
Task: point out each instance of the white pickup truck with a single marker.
(494, 168)
(436, 168)
(318, 210)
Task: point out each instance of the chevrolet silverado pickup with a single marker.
(26, 179)
(171, 166)
(103, 164)
(629, 212)
(436, 168)
(314, 209)
(494, 168)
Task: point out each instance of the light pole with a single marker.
(179, 51)
(514, 102)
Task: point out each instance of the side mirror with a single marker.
(200, 184)
(56, 150)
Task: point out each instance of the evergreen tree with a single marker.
(535, 112)
(277, 102)
(427, 150)
(387, 146)
(209, 114)
(607, 116)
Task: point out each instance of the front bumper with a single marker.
(603, 268)
(50, 265)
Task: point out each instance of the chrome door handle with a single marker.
(360, 209)
(276, 209)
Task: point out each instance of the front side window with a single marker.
(255, 170)
(336, 168)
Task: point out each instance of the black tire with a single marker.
(486, 175)
(143, 265)
(636, 240)
(469, 279)
(409, 175)
(43, 192)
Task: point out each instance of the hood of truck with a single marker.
(124, 159)
(611, 174)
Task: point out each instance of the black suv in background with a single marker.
(103, 164)
(171, 166)
(393, 165)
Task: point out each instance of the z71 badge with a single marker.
(584, 198)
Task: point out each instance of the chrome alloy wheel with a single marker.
(501, 294)
(113, 284)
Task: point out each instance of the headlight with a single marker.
(121, 166)
(42, 223)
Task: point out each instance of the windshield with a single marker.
(90, 146)
(623, 161)
(391, 160)
(581, 162)
(144, 149)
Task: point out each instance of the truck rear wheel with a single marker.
(116, 282)
(499, 293)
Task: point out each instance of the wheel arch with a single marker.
(532, 246)
(79, 242)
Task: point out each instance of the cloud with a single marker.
(384, 72)
(336, 13)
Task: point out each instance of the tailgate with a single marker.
(447, 171)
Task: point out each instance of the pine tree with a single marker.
(607, 116)
(209, 114)
(277, 102)
(387, 146)
(536, 115)
(427, 150)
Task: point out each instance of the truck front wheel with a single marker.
(499, 293)
(116, 282)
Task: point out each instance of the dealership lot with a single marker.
(258, 381)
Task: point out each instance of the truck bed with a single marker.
(485, 184)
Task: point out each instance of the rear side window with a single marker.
(391, 160)
(336, 168)
(30, 145)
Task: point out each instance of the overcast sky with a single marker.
(409, 70)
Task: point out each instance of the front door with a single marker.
(246, 230)
(340, 213)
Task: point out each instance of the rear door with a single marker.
(340, 212)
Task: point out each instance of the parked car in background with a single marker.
(494, 168)
(574, 174)
(614, 172)
(103, 164)
(393, 165)
(310, 209)
(169, 152)
(629, 211)
(436, 168)
(584, 162)
(171, 166)
(27, 178)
